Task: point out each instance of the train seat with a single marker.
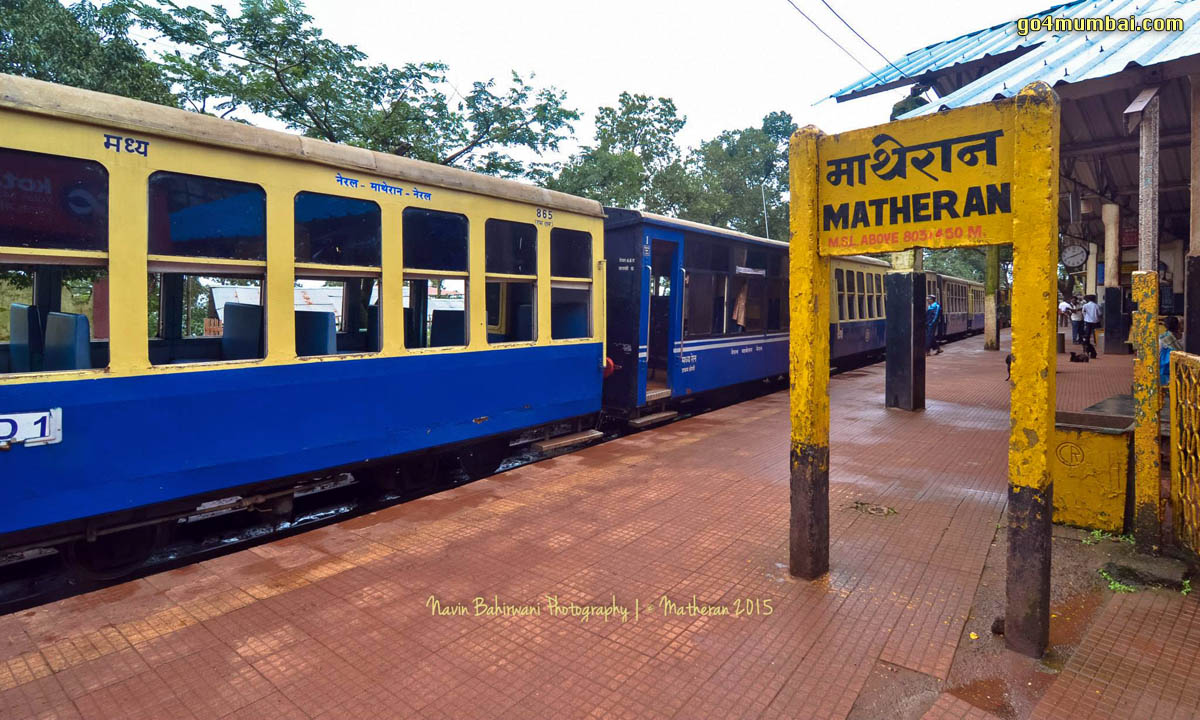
(447, 328)
(316, 333)
(242, 332)
(569, 320)
(68, 342)
(25, 338)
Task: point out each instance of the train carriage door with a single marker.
(663, 262)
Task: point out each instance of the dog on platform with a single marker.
(1089, 348)
(1079, 357)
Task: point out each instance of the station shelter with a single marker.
(1128, 214)
(1130, 106)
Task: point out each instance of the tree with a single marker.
(83, 45)
(271, 59)
(741, 170)
(635, 159)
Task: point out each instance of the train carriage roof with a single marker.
(111, 111)
(620, 217)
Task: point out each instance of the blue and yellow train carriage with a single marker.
(157, 270)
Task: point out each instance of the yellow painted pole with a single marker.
(1034, 298)
(808, 538)
(1147, 517)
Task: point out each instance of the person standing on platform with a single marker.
(1064, 312)
(1077, 320)
(933, 311)
(1091, 318)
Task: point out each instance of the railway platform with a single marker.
(641, 578)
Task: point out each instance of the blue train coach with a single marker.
(691, 309)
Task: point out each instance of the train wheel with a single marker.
(483, 459)
(114, 555)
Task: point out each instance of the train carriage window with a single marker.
(839, 279)
(871, 295)
(851, 303)
(720, 258)
(698, 307)
(861, 297)
(435, 312)
(54, 310)
(435, 279)
(205, 217)
(570, 299)
(510, 259)
(570, 311)
(776, 264)
(570, 253)
(755, 305)
(337, 313)
(333, 230)
(205, 318)
(52, 202)
(435, 240)
(510, 247)
(777, 309)
(879, 306)
(206, 311)
(697, 254)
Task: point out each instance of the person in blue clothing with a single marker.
(933, 312)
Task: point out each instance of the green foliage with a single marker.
(741, 170)
(1096, 536)
(1114, 584)
(271, 59)
(635, 143)
(1187, 587)
(82, 45)
(636, 161)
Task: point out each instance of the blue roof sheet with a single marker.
(1052, 57)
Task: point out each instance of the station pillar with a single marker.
(904, 373)
(1147, 515)
(808, 532)
(991, 299)
(1114, 318)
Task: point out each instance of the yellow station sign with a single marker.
(933, 181)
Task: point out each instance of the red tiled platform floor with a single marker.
(336, 623)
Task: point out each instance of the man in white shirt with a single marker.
(1077, 319)
(1091, 317)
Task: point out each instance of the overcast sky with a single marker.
(726, 64)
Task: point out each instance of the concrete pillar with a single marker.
(1110, 214)
(1148, 511)
(991, 298)
(1148, 188)
(808, 532)
(1114, 321)
(904, 369)
(1089, 287)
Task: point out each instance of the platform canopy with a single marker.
(1106, 80)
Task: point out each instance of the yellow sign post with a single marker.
(982, 175)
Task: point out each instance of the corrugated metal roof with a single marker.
(1055, 58)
